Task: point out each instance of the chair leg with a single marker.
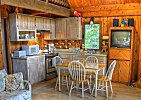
(67, 83)
(71, 87)
(77, 86)
(90, 80)
(99, 84)
(111, 86)
(93, 89)
(89, 86)
(106, 89)
(82, 90)
(56, 83)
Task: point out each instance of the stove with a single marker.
(50, 66)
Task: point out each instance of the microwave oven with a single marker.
(31, 49)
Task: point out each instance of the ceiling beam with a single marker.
(113, 13)
(38, 6)
(129, 6)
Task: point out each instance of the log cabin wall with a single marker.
(107, 10)
(121, 9)
(107, 22)
(1, 50)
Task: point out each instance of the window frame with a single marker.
(100, 34)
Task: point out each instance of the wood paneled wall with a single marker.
(87, 3)
(107, 22)
(1, 50)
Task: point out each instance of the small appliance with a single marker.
(19, 54)
(51, 48)
(31, 49)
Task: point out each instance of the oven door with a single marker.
(50, 68)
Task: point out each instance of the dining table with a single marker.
(64, 66)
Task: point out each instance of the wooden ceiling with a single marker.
(55, 8)
(90, 8)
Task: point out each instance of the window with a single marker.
(92, 36)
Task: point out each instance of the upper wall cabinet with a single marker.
(74, 28)
(21, 29)
(47, 22)
(42, 23)
(31, 22)
(21, 20)
(61, 28)
(52, 28)
(39, 23)
(68, 28)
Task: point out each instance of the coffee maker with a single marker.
(51, 48)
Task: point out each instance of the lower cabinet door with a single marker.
(33, 73)
(41, 71)
(121, 72)
(115, 77)
(124, 75)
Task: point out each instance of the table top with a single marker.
(66, 63)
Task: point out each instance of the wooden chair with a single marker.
(63, 74)
(91, 62)
(78, 76)
(103, 81)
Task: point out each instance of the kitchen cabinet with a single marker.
(47, 23)
(42, 23)
(74, 28)
(52, 28)
(20, 29)
(61, 28)
(21, 20)
(67, 56)
(39, 23)
(69, 28)
(31, 22)
(32, 67)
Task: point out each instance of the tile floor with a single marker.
(45, 91)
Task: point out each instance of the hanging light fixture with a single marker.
(92, 21)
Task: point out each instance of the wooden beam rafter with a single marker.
(112, 13)
(39, 6)
(129, 6)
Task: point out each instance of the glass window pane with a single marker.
(92, 36)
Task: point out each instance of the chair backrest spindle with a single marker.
(57, 60)
(77, 70)
(110, 70)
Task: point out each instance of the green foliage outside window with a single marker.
(92, 36)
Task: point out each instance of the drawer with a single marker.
(120, 54)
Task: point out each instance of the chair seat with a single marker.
(80, 81)
(90, 73)
(64, 73)
(102, 78)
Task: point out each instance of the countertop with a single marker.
(96, 54)
(26, 57)
(33, 56)
(73, 53)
